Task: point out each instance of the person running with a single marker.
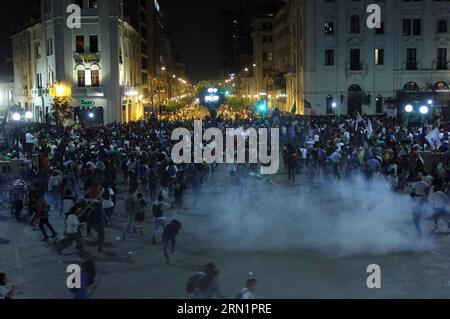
(97, 220)
(208, 287)
(139, 212)
(6, 293)
(130, 202)
(158, 210)
(17, 191)
(72, 233)
(249, 291)
(42, 209)
(169, 238)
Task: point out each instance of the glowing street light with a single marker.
(430, 102)
(16, 117)
(424, 110)
(334, 105)
(163, 68)
(28, 115)
(409, 108)
(246, 69)
(91, 115)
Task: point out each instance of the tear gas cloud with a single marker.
(342, 217)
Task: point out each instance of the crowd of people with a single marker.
(79, 174)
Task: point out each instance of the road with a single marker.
(312, 256)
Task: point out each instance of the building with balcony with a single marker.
(340, 60)
(101, 61)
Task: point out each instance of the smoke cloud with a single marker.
(339, 217)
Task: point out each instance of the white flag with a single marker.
(369, 129)
(434, 139)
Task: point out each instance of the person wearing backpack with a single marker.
(139, 212)
(158, 208)
(193, 281)
(249, 291)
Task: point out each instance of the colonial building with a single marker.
(100, 62)
(343, 66)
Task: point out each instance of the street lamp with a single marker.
(408, 109)
(430, 102)
(424, 111)
(28, 116)
(16, 117)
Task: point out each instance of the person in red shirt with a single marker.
(42, 209)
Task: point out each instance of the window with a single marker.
(93, 43)
(329, 28)
(441, 59)
(442, 26)
(79, 43)
(354, 24)
(379, 56)
(93, 4)
(81, 78)
(95, 78)
(355, 62)
(411, 59)
(49, 47)
(417, 23)
(329, 57)
(267, 56)
(406, 27)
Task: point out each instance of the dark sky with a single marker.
(193, 24)
(194, 28)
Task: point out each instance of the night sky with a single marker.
(193, 24)
(194, 27)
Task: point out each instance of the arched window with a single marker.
(354, 24)
(441, 86)
(354, 88)
(411, 86)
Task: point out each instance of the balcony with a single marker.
(411, 65)
(86, 57)
(87, 91)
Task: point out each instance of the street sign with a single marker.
(87, 103)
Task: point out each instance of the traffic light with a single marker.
(262, 106)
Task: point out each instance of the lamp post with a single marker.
(408, 109)
(424, 111)
(334, 106)
(28, 116)
(16, 117)
(91, 118)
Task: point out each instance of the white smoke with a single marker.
(341, 217)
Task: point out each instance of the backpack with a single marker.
(106, 195)
(157, 210)
(192, 283)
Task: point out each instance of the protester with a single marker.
(169, 238)
(6, 293)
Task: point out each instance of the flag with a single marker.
(433, 138)
(358, 119)
(369, 129)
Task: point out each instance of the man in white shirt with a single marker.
(72, 234)
(249, 291)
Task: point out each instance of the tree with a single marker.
(62, 110)
(240, 103)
